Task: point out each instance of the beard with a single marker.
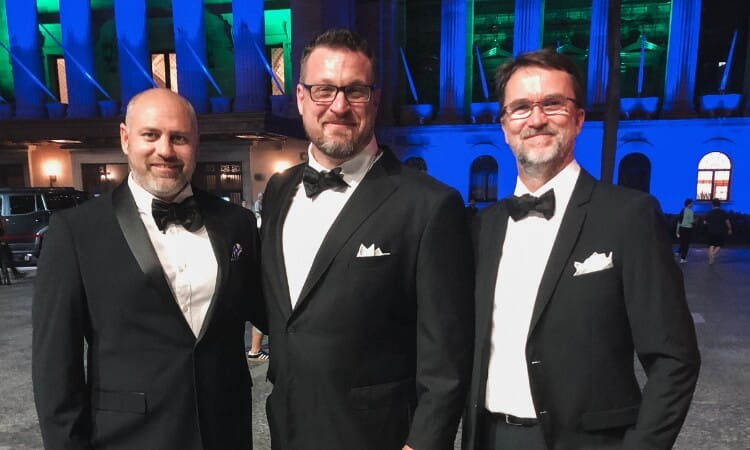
(536, 159)
(343, 146)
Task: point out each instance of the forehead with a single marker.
(161, 111)
(537, 81)
(333, 64)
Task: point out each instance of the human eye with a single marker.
(323, 91)
(150, 135)
(357, 92)
(553, 104)
(179, 139)
(519, 108)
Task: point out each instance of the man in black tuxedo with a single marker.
(367, 274)
(574, 276)
(158, 279)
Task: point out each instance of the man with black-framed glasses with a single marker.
(574, 277)
(367, 271)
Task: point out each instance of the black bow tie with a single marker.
(316, 182)
(185, 213)
(520, 207)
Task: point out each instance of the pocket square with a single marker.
(236, 252)
(594, 263)
(368, 252)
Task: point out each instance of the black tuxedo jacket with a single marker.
(148, 382)
(373, 352)
(584, 329)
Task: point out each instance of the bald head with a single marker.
(156, 95)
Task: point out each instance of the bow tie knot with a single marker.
(316, 182)
(185, 213)
(520, 207)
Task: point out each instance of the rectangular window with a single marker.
(224, 179)
(62, 79)
(277, 64)
(164, 70)
(22, 204)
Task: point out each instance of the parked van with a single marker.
(25, 214)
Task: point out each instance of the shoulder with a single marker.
(86, 213)
(212, 204)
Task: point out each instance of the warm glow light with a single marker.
(281, 166)
(52, 168)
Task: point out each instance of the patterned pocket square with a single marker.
(236, 252)
(594, 263)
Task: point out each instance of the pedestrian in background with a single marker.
(684, 229)
(718, 227)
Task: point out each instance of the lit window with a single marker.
(62, 80)
(277, 62)
(164, 70)
(714, 172)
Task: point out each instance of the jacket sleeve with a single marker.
(662, 329)
(60, 324)
(445, 331)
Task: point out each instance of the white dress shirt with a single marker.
(525, 252)
(188, 260)
(309, 219)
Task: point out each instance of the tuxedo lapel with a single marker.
(567, 237)
(140, 245)
(376, 186)
(217, 235)
(273, 228)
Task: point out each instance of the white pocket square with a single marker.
(368, 252)
(594, 263)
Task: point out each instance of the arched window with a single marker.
(416, 162)
(483, 179)
(714, 172)
(635, 172)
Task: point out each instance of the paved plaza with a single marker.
(719, 297)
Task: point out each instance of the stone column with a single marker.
(75, 22)
(23, 36)
(251, 77)
(528, 25)
(189, 42)
(596, 89)
(452, 60)
(132, 48)
(378, 23)
(682, 57)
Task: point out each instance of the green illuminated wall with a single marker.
(218, 25)
(6, 73)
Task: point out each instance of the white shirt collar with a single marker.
(563, 184)
(355, 169)
(143, 198)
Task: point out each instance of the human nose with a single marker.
(536, 116)
(164, 147)
(340, 104)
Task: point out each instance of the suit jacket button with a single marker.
(290, 330)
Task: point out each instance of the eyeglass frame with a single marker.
(562, 112)
(309, 87)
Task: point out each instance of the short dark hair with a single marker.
(546, 59)
(688, 201)
(715, 202)
(339, 39)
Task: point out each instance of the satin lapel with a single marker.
(374, 189)
(140, 245)
(566, 239)
(490, 237)
(275, 230)
(217, 235)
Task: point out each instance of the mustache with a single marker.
(537, 132)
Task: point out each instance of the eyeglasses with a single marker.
(554, 105)
(326, 93)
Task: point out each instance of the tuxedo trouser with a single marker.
(494, 434)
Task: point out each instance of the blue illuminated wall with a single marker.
(673, 147)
